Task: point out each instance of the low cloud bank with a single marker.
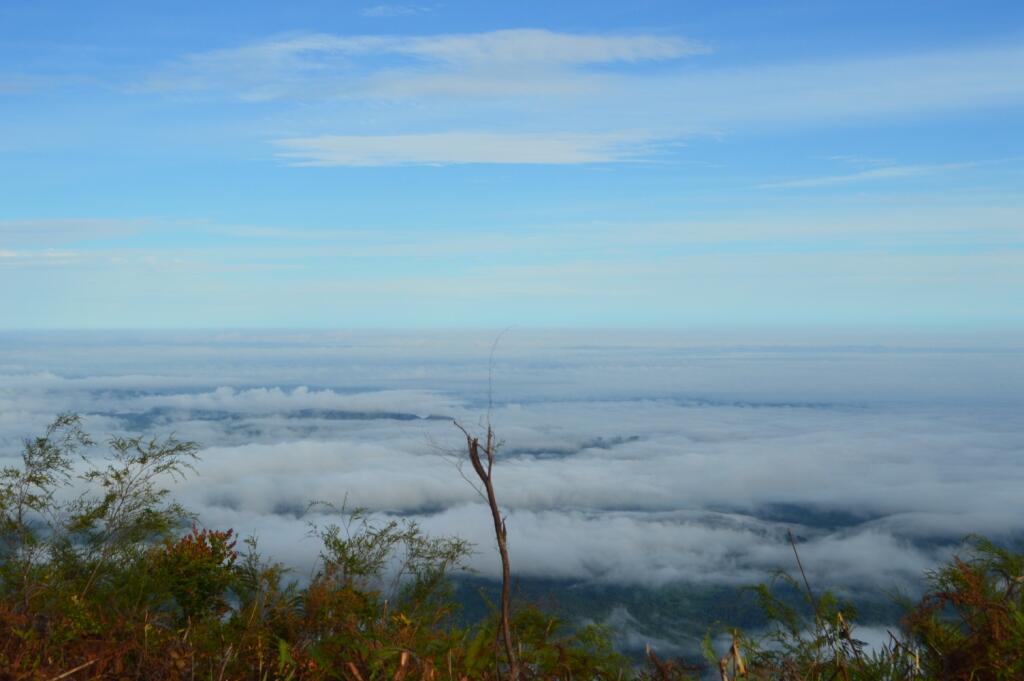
(607, 477)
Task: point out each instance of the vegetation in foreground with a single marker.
(104, 584)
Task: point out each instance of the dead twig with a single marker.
(484, 472)
(76, 669)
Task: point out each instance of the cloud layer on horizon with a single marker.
(603, 485)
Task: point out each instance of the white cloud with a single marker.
(462, 147)
(540, 77)
(536, 46)
(630, 459)
(888, 172)
(63, 231)
(383, 93)
(328, 64)
(390, 11)
(829, 91)
(271, 400)
(43, 258)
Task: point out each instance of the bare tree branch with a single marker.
(501, 534)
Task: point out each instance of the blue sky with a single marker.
(451, 164)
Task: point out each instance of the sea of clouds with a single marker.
(628, 458)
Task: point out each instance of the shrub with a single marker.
(105, 585)
(971, 623)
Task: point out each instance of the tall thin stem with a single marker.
(501, 534)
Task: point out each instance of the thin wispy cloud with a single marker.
(853, 160)
(822, 93)
(325, 67)
(45, 258)
(293, 65)
(462, 148)
(390, 11)
(64, 230)
(894, 172)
